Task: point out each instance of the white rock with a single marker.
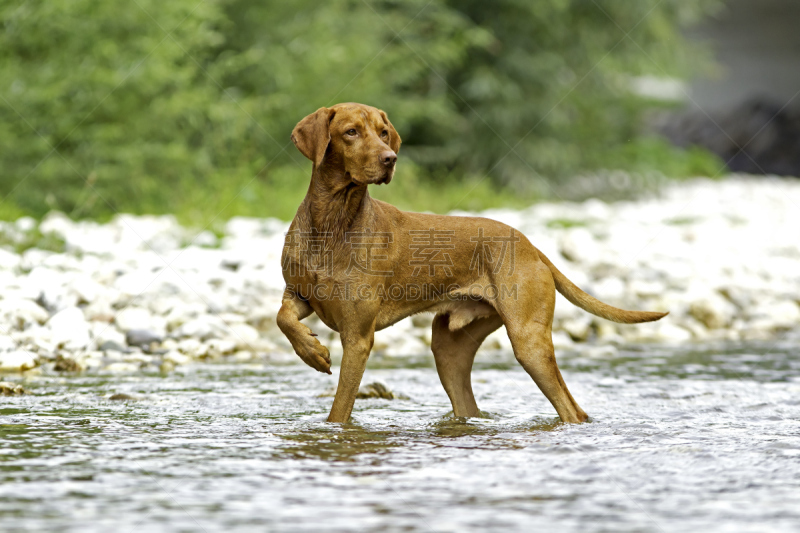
(712, 310)
(398, 344)
(9, 260)
(203, 327)
(245, 227)
(136, 284)
(562, 341)
(16, 361)
(643, 289)
(579, 246)
(35, 338)
(205, 238)
(578, 329)
(103, 332)
(681, 251)
(56, 222)
(155, 234)
(7, 344)
(672, 333)
(177, 358)
(86, 289)
(122, 368)
(169, 344)
(140, 358)
(425, 335)
(101, 309)
(69, 329)
(242, 356)
(49, 287)
(565, 310)
(266, 345)
(193, 348)
(220, 347)
(134, 318)
(775, 315)
(26, 224)
(182, 313)
(661, 331)
(232, 318)
(599, 351)
(610, 289)
(243, 334)
(607, 332)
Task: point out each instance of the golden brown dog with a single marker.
(362, 265)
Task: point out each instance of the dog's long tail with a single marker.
(574, 294)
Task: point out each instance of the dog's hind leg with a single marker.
(454, 352)
(529, 320)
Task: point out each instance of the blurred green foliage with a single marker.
(186, 106)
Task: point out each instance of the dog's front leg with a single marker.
(356, 345)
(304, 342)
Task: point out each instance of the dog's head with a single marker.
(358, 138)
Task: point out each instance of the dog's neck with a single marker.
(333, 201)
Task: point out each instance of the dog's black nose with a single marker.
(388, 158)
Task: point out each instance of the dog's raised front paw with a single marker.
(315, 355)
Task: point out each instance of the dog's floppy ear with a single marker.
(312, 134)
(394, 137)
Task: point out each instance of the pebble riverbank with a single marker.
(144, 293)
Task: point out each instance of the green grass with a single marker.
(646, 154)
(19, 241)
(682, 221)
(413, 190)
(566, 223)
(280, 193)
(208, 202)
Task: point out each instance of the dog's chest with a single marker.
(309, 262)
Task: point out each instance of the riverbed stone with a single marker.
(133, 318)
(122, 397)
(193, 348)
(712, 310)
(177, 358)
(378, 390)
(679, 251)
(142, 337)
(561, 341)
(243, 334)
(579, 245)
(7, 344)
(219, 347)
(202, 327)
(69, 328)
(17, 361)
(20, 313)
(121, 368)
(775, 315)
(242, 356)
(579, 328)
(9, 260)
(8, 388)
(67, 364)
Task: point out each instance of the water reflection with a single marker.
(342, 442)
(679, 440)
(490, 426)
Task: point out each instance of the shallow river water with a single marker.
(701, 440)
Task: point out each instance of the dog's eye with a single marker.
(351, 132)
(384, 134)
